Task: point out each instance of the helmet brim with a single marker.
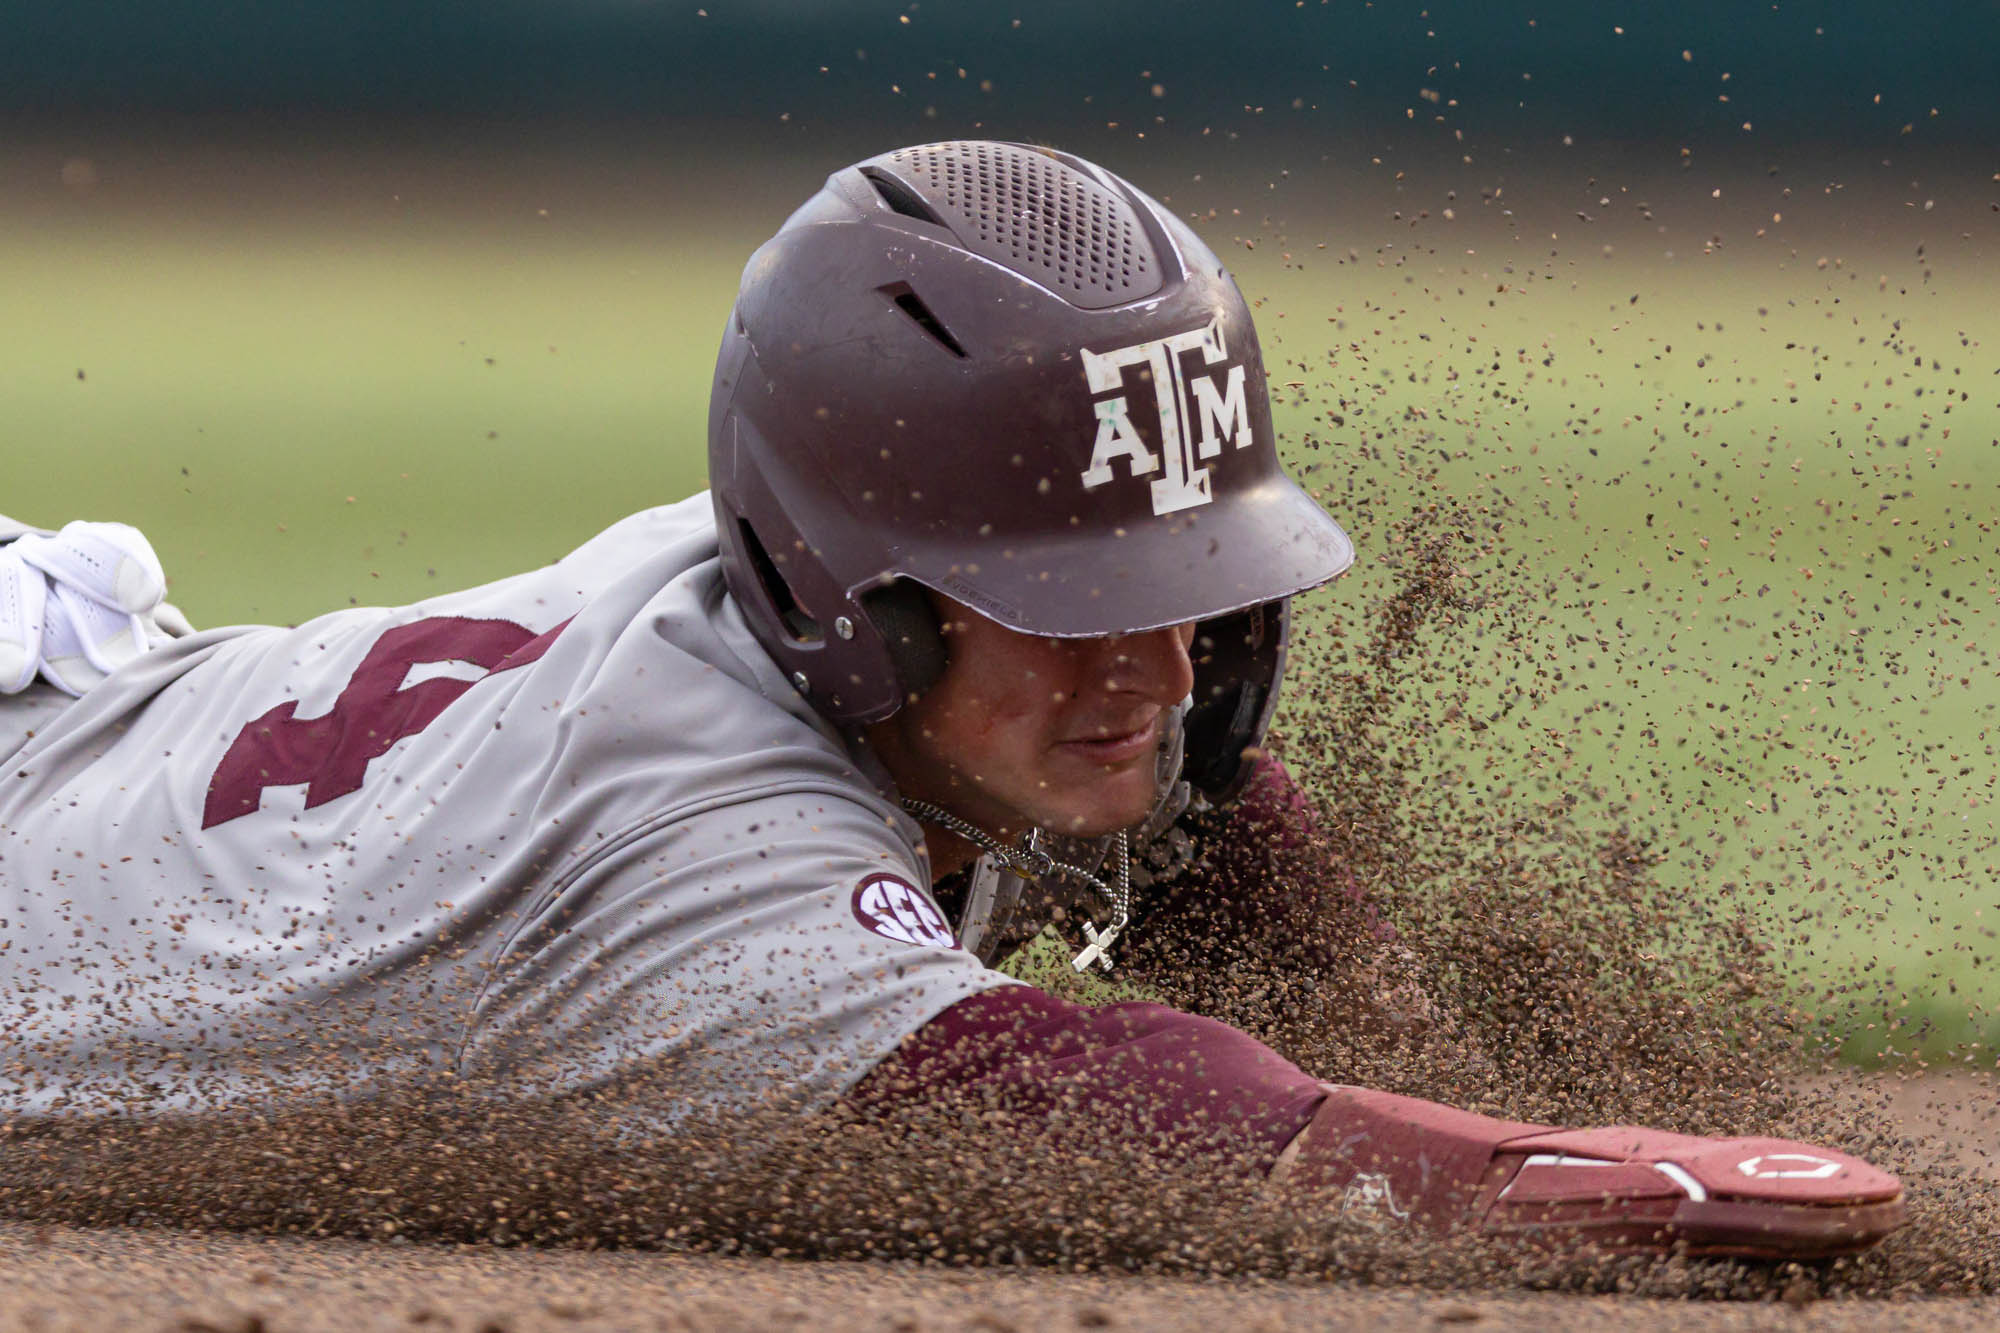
(1268, 541)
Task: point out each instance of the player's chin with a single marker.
(1101, 803)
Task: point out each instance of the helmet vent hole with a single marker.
(913, 305)
(802, 627)
(901, 198)
(1033, 213)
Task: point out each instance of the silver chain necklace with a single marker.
(1032, 862)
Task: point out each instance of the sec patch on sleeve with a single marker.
(898, 910)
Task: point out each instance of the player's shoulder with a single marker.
(641, 622)
(615, 579)
(594, 622)
(682, 533)
(652, 547)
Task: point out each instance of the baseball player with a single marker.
(990, 589)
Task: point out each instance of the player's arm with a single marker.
(1171, 1085)
(1173, 1080)
(76, 605)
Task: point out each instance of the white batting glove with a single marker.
(77, 605)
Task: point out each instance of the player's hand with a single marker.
(78, 604)
(1388, 1160)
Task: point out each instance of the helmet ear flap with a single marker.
(1239, 661)
(903, 615)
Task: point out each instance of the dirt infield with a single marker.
(64, 1279)
(61, 1278)
(1955, 1115)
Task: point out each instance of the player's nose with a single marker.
(1154, 664)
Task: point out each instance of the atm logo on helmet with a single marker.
(1196, 414)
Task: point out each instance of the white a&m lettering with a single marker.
(1217, 414)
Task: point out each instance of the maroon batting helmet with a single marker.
(1003, 373)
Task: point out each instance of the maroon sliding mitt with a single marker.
(1401, 1158)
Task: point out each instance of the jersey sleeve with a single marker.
(1165, 1082)
(761, 951)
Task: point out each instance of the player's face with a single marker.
(1027, 731)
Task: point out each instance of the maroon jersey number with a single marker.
(330, 753)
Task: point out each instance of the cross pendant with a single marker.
(1098, 954)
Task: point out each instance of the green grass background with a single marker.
(1740, 432)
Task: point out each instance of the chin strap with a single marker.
(1032, 862)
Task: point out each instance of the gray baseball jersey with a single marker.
(567, 826)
